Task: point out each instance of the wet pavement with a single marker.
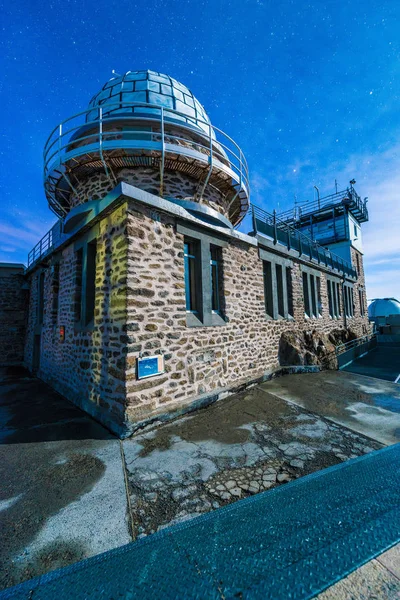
(62, 495)
(364, 404)
(240, 446)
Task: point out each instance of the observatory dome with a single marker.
(383, 307)
(148, 87)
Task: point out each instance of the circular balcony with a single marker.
(131, 135)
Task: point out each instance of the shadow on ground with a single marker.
(62, 494)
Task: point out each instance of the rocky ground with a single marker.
(241, 446)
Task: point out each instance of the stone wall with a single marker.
(13, 310)
(360, 323)
(88, 367)
(176, 185)
(140, 310)
(205, 359)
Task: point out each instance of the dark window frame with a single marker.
(85, 280)
(278, 286)
(205, 316)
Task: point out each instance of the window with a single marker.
(204, 277)
(313, 296)
(348, 301)
(216, 279)
(330, 287)
(85, 284)
(355, 231)
(268, 295)
(191, 268)
(306, 295)
(358, 263)
(312, 293)
(361, 300)
(333, 297)
(278, 290)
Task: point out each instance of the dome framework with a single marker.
(148, 120)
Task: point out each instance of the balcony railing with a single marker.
(280, 232)
(45, 245)
(96, 135)
(339, 200)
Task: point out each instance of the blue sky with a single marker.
(309, 90)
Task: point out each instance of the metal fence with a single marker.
(270, 225)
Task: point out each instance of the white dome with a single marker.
(383, 307)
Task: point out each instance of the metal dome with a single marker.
(150, 87)
(383, 307)
(146, 120)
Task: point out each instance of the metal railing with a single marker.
(371, 339)
(103, 130)
(45, 245)
(345, 197)
(281, 232)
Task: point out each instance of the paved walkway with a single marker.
(364, 404)
(62, 493)
(293, 541)
(66, 480)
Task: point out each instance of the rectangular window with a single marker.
(348, 301)
(191, 268)
(339, 310)
(289, 288)
(358, 263)
(313, 296)
(268, 295)
(331, 287)
(216, 279)
(333, 298)
(361, 298)
(279, 290)
(90, 284)
(306, 295)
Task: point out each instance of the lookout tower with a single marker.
(334, 221)
(147, 129)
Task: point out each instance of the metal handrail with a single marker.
(330, 259)
(343, 347)
(298, 212)
(83, 134)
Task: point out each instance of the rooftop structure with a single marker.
(149, 122)
(383, 307)
(330, 219)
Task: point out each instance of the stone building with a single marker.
(144, 300)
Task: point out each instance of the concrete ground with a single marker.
(364, 404)
(379, 579)
(62, 493)
(64, 478)
(240, 446)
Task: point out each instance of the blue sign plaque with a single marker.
(150, 366)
